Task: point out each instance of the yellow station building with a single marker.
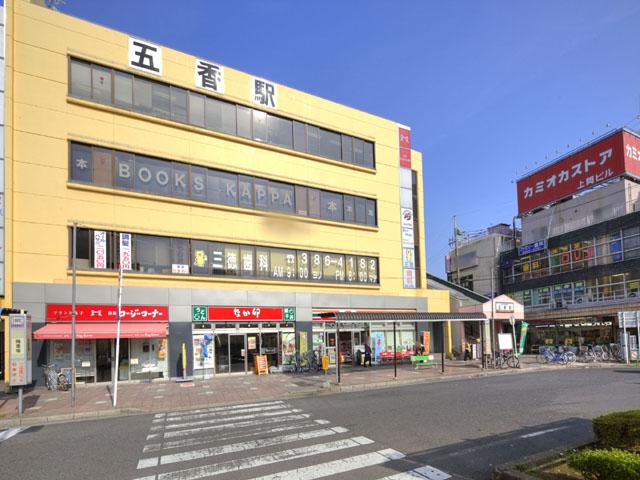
(240, 209)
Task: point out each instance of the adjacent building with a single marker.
(579, 262)
(240, 209)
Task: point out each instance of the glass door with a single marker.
(221, 348)
(237, 353)
(123, 360)
(269, 347)
(103, 360)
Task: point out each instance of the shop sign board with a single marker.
(406, 217)
(264, 93)
(145, 56)
(532, 248)
(289, 314)
(125, 251)
(628, 319)
(409, 278)
(99, 249)
(61, 312)
(608, 158)
(264, 314)
(404, 142)
(209, 75)
(407, 237)
(504, 307)
(19, 350)
(199, 314)
(505, 341)
(408, 258)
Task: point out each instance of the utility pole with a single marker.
(493, 307)
(73, 314)
(455, 243)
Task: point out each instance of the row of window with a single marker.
(128, 171)
(180, 256)
(606, 249)
(139, 94)
(610, 287)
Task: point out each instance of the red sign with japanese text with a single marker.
(602, 161)
(404, 141)
(263, 314)
(61, 312)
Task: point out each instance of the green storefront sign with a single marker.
(289, 314)
(199, 314)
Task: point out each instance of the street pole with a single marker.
(73, 315)
(624, 339)
(395, 362)
(443, 347)
(338, 349)
(115, 383)
(484, 361)
(512, 321)
(637, 338)
(455, 243)
(493, 322)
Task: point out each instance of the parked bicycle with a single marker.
(549, 355)
(57, 379)
(502, 360)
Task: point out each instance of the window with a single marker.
(180, 179)
(152, 176)
(123, 90)
(303, 265)
(281, 197)
(124, 170)
(244, 121)
(349, 209)
(371, 212)
(351, 269)
(330, 145)
(180, 256)
(314, 202)
(245, 191)
(200, 257)
(332, 208)
(313, 140)
(280, 131)
(161, 100)
(260, 189)
(222, 187)
(283, 264)
(333, 267)
(198, 183)
(347, 149)
(262, 263)
(178, 105)
(196, 109)
(231, 260)
(247, 261)
(631, 242)
(302, 201)
(83, 247)
(299, 136)
(80, 84)
(153, 254)
(142, 95)
(259, 126)
(361, 210)
(102, 162)
(81, 166)
(101, 82)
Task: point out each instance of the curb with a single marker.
(509, 471)
(328, 388)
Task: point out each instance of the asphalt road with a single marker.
(456, 429)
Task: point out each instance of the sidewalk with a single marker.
(43, 406)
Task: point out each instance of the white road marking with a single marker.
(336, 466)
(432, 473)
(238, 447)
(542, 432)
(7, 434)
(261, 460)
(218, 414)
(227, 426)
(173, 426)
(223, 408)
(190, 442)
(322, 422)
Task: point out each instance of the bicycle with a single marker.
(549, 356)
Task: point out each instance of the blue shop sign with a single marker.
(532, 247)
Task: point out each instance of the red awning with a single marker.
(93, 330)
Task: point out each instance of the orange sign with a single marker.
(426, 341)
(261, 365)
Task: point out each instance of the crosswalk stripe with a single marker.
(216, 414)
(223, 419)
(412, 475)
(190, 442)
(261, 460)
(336, 466)
(7, 434)
(237, 447)
(233, 425)
(432, 473)
(222, 408)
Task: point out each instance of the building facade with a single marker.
(578, 265)
(238, 208)
(475, 257)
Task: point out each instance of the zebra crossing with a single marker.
(268, 440)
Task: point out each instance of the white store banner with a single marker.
(100, 249)
(125, 251)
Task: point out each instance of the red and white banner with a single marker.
(125, 251)
(609, 158)
(99, 249)
(404, 141)
(263, 314)
(61, 312)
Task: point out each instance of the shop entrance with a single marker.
(103, 360)
(237, 353)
